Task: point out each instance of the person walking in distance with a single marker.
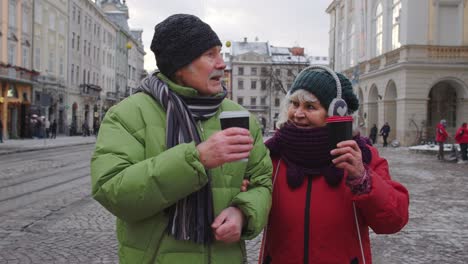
(47, 127)
(384, 132)
(1, 131)
(441, 137)
(462, 138)
(53, 129)
(163, 166)
(373, 134)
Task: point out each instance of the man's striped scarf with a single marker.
(191, 217)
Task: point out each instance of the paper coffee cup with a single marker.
(235, 119)
(339, 128)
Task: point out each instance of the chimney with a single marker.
(245, 39)
(297, 51)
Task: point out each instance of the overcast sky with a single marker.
(281, 22)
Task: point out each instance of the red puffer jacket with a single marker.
(441, 133)
(316, 223)
(462, 135)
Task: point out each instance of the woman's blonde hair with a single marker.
(300, 95)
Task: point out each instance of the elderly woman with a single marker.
(324, 201)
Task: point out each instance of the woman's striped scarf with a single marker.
(191, 217)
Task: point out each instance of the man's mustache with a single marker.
(216, 74)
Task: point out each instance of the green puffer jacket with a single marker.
(136, 178)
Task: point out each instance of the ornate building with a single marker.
(16, 74)
(408, 60)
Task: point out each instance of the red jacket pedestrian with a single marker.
(324, 200)
(462, 134)
(441, 133)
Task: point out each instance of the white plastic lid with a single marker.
(234, 114)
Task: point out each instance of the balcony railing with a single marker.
(111, 96)
(412, 54)
(256, 107)
(17, 73)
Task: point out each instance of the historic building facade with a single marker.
(50, 58)
(16, 74)
(408, 60)
(67, 61)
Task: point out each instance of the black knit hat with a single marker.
(323, 86)
(180, 39)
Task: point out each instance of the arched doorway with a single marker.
(442, 105)
(390, 109)
(372, 108)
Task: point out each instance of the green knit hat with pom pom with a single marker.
(323, 86)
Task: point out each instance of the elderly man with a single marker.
(167, 171)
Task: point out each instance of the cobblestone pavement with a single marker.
(71, 228)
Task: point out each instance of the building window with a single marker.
(278, 72)
(253, 101)
(77, 73)
(253, 71)
(350, 53)
(78, 43)
(378, 29)
(25, 57)
(12, 13)
(73, 40)
(72, 73)
(264, 71)
(240, 71)
(37, 12)
(396, 24)
(263, 85)
(51, 61)
(52, 21)
(240, 100)
(37, 58)
(25, 21)
(240, 84)
(12, 92)
(263, 101)
(290, 73)
(253, 84)
(61, 66)
(277, 102)
(11, 53)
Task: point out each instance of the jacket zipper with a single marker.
(307, 221)
(202, 138)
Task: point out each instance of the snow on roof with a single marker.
(241, 47)
(289, 59)
(279, 51)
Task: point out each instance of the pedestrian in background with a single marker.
(53, 129)
(384, 132)
(96, 125)
(441, 137)
(325, 201)
(1, 131)
(373, 134)
(47, 127)
(462, 138)
(85, 129)
(168, 173)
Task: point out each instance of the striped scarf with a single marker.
(191, 217)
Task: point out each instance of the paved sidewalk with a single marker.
(23, 145)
